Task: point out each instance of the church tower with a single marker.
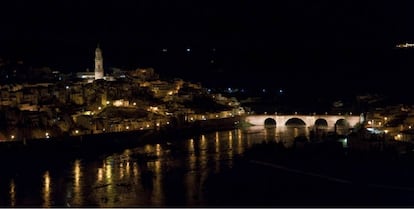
(99, 72)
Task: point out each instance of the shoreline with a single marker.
(92, 145)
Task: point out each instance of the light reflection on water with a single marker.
(170, 173)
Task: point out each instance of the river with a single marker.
(171, 173)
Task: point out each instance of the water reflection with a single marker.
(170, 173)
(77, 185)
(46, 190)
(12, 193)
(217, 152)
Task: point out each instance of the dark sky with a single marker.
(314, 44)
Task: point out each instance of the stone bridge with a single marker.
(311, 121)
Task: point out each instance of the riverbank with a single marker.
(316, 175)
(60, 148)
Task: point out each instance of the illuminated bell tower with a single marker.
(99, 72)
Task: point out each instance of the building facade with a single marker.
(99, 71)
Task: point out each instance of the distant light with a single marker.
(188, 50)
(405, 45)
(281, 91)
(164, 50)
(263, 90)
(67, 87)
(398, 137)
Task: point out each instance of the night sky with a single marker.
(311, 45)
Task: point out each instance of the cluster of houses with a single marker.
(67, 105)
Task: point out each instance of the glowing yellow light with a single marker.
(398, 137)
(100, 174)
(108, 172)
(76, 131)
(12, 136)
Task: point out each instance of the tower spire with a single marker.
(99, 71)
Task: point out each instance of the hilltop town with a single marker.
(41, 103)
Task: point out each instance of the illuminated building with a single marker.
(99, 71)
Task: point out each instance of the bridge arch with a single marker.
(270, 123)
(321, 123)
(295, 122)
(342, 126)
